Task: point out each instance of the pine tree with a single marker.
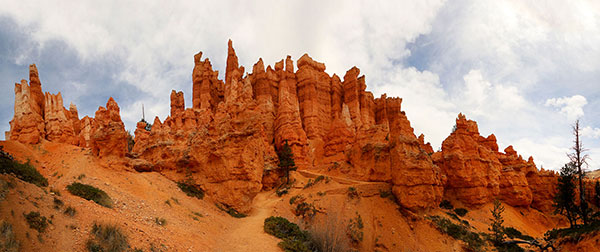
(597, 190)
(496, 226)
(286, 161)
(564, 200)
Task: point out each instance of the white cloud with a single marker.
(492, 60)
(572, 106)
(590, 132)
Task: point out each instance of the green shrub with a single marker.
(229, 210)
(89, 192)
(512, 233)
(460, 232)
(305, 210)
(58, 203)
(352, 192)
(25, 172)
(36, 221)
(461, 212)
(294, 239)
(295, 198)
(574, 234)
(107, 238)
(355, 229)
(191, 190)
(8, 241)
(70, 211)
(445, 204)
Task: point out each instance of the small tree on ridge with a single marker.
(286, 161)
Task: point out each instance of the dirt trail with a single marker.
(249, 235)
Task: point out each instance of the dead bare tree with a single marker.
(579, 158)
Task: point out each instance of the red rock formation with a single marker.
(207, 88)
(177, 102)
(59, 125)
(27, 125)
(108, 136)
(226, 142)
(477, 173)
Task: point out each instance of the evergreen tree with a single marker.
(286, 161)
(597, 190)
(564, 200)
(496, 226)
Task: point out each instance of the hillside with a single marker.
(357, 157)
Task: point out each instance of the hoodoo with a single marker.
(227, 140)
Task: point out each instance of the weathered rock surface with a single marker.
(108, 136)
(226, 142)
(478, 173)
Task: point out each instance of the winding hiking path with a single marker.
(249, 234)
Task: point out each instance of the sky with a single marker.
(524, 70)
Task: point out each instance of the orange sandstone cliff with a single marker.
(226, 142)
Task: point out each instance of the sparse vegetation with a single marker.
(191, 190)
(107, 238)
(81, 176)
(461, 212)
(70, 211)
(513, 233)
(286, 161)
(355, 229)
(295, 198)
(8, 241)
(473, 240)
(564, 200)
(497, 220)
(160, 221)
(330, 235)
(25, 172)
(58, 203)
(294, 238)
(229, 210)
(305, 210)
(36, 221)
(352, 192)
(445, 204)
(89, 192)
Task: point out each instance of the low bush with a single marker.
(473, 240)
(355, 229)
(70, 211)
(8, 241)
(513, 233)
(296, 198)
(58, 203)
(191, 190)
(574, 234)
(445, 204)
(461, 212)
(89, 192)
(36, 221)
(352, 192)
(294, 238)
(305, 210)
(229, 210)
(25, 172)
(107, 238)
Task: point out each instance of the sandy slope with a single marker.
(139, 198)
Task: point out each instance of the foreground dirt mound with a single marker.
(153, 212)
